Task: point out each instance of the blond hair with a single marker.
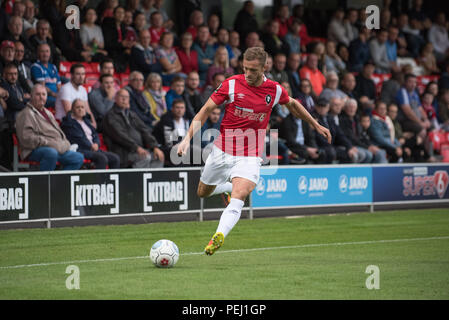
(256, 53)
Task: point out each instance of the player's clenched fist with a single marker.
(182, 147)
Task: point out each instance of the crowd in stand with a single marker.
(61, 122)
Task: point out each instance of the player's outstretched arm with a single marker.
(298, 110)
(196, 125)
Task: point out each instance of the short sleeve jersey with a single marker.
(247, 112)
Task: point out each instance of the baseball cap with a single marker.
(7, 44)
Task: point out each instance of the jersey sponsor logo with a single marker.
(94, 195)
(249, 114)
(165, 191)
(14, 198)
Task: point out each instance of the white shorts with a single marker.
(221, 167)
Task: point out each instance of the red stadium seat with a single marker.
(124, 79)
(64, 67)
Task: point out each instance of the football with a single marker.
(164, 253)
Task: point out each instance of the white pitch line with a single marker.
(230, 251)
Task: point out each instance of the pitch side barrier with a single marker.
(87, 194)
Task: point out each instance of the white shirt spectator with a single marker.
(438, 36)
(68, 93)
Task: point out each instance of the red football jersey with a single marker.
(247, 112)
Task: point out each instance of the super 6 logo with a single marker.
(441, 181)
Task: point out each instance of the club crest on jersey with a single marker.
(268, 99)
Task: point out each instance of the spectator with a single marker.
(245, 21)
(107, 67)
(331, 59)
(439, 38)
(143, 56)
(253, 40)
(382, 130)
(7, 53)
(427, 60)
(205, 52)
(176, 90)
(43, 36)
(336, 30)
(432, 87)
(41, 139)
(213, 23)
(320, 113)
(29, 19)
(146, 8)
(102, 99)
(191, 95)
(293, 62)
(367, 152)
(310, 71)
(196, 20)
(156, 28)
(127, 135)
(306, 95)
(378, 51)
(140, 23)
(15, 29)
(282, 17)
(412, 34)
(131, 34)
(391, 44)
(359, 51)
(138, 103)
(52, 10)
(234, 42)
(187, 56)
(105, 9)
(347, 84)
(132, 6)
(427, 99)
(320, 50)
(73, 90)
(366, 138)
(223, 40)
(268, 69)
(292, 37)
(167, 22)
(443, 109)
(155, 95)
(220, 64)
(17, 98)
(298, 13)
(300, 139)
(391, 87)
(166, 54)
(46, 73)
(217, 79)
(92, 36)
(172, 127)
(331, 90)
(365, 89)
(278, 72)
(80, 131)
(117, 46)
(209, 131)
(411, 114)
(350, 24)
(23, 67)
(273, 43)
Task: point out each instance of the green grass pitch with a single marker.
(314, 257)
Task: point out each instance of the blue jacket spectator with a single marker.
(359, 52)
(46, 73)
(205, 51)
(17, 98)
(143, 57)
